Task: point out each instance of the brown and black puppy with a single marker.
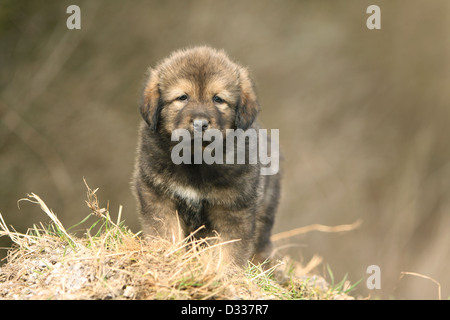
(192, 86)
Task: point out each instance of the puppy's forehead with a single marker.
(199, 67)
(205, 58)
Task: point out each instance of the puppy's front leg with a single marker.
(159, 217)
(236, 225)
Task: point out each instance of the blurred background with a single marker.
(364, 118)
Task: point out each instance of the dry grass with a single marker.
(111, 262)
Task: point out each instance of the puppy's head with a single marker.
(198, 86)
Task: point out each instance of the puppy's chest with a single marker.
(187, 194)
(194, 215)
(207, 194)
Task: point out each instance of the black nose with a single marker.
(200, 124)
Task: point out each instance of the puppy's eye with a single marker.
(218, 99)
(182, 98)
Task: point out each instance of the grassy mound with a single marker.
(111, 262)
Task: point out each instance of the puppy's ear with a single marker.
(248, 106)
(151, 100)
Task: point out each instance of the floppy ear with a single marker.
(248, 106)
(150, 101)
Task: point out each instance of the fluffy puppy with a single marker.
(192, 86)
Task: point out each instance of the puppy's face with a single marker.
(198, 86)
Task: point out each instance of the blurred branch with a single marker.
(42, 147)
(64, 43)
(316, 227)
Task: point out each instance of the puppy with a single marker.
(198, 89)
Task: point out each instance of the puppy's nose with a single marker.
(200, 124)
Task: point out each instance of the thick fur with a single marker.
(234, 200)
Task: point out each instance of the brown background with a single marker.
(364, 117)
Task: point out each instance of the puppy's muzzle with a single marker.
(200, 124)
